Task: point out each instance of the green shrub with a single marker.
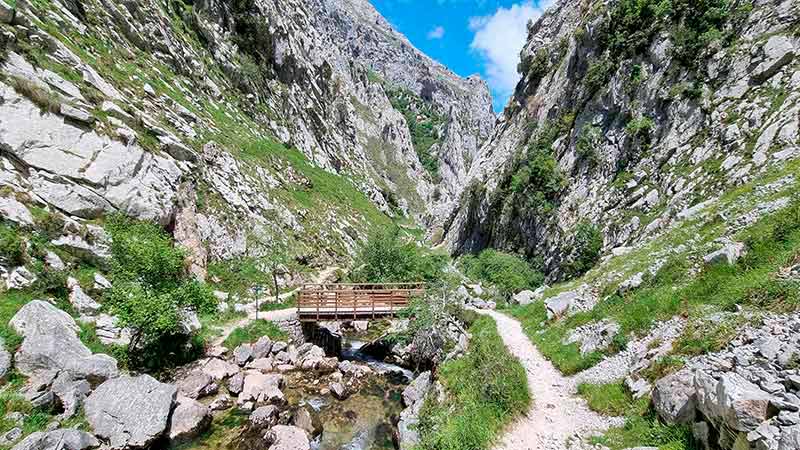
(584, 251)
(252, 332)
(509, 273)
(387, 258)
(423, 121)
(640, 127)
(237, 275)
(536, 176)
(12, 246)
(487, 388)
(151, 293)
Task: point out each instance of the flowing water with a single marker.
(363, 421)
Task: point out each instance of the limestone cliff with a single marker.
(627, 118)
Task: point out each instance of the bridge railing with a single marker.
(355, 301)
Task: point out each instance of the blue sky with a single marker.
(468, 36)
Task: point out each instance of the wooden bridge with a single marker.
(333, 302)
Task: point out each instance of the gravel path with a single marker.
(557, 415)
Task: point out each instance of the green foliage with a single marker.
(12, 246)
(252, 332)
(584, 251)
(640, 127)
(509, 273)
(237, 275)
(388, 257)
(536, 177)
(423, 121)
(10, 303)
(151, 292)
(612, 399)
(708, 336)
(487, 390)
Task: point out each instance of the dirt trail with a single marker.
(557, 415)
(272, 316)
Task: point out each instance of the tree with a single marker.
(387, 257)
(152, 293)
(275, 260)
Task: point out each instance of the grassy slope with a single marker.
(253, 331)
(487, 388)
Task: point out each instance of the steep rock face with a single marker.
(264, 107)
(628, 131)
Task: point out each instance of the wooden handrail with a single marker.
(343, 301)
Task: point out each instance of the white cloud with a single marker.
(436, 33)
(498, 40)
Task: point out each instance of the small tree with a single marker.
(276, 260)
(152, 292)
(386, 258)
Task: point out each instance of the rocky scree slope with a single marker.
(224, 119)
(628, 115)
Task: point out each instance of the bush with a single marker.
(585, 250)
(536, 177)
(12, 246)
(151, 294)
(487, 389)
(509, 273)
(386, 258)
(586, 146)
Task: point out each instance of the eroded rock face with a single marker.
(189, 419)
(130, 412)
(63, 439)
(51, 343)
(284, 437)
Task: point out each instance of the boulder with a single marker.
(11, 209)
(76, 114)
(264, 416)
(339, 390)
(5, 359)
(197, 384)
(51, 343)
(301, 418)
(285, 437)
(101, 283)
(130, 412)
(220, 403)
(674, 397)
(9, 437)
(63, 439)
(743, 404)
(262, 348)
(525, 297)
(20, 278)
(242, 354)
(631, 283)
(594, 336)
(54, 261)
(236, 384)
(778, 51)
(559, 305)
(109, 332)
(262, 388)
(95, 253)
(417, 390)
(262, 364)
(729, 254)
(189, 419)
(219, 369)
(80, 300)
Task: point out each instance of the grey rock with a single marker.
(242, 354)
(301, 418)
(743, 404)
(236, 384)
(189, 419)
(284, 437)
(51, 343)
(197, 384)
(560, 304)
(14, 211)
(6, 12)
(264, 416)
(130, 412)
(100, 282)
(54, 261)
(262, 348)
(64, 439)
(729, 254)
(219, 369)
(5, 359)
(262, 389)
(220, 403)
(20, 278)
(80, 300)
(674, 397)
(339, 390)
(77, 114)
(9, 437)
(417, 390)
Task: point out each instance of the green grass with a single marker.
(642, 427)
(287, 303)
(487, 389)
(252, 332)
(773, 243)
(612, 399)
(10, 303)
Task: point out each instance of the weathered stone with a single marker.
(674, 397)
(189, 419)
(264, 416)
(262, 347)
(283, 437)
(77, 114)
(54, 261)
(6, 12)
(219, 369)
(301, 418)
(262, 388)
(80, 300)
(64, 439)
(197, 384)
(729, 254)
(743, 404)
(236, 384)
(12, 210)
(130, 412)
(100, 282)
(339, 390)
(5, 359)
(51, 342)
(242, 354)
(20, 278)
(417, 390)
